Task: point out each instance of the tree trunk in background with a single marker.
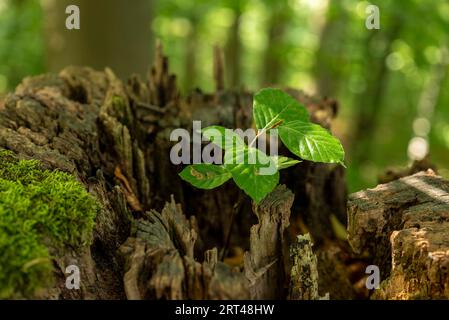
(329, 56)
(190, 52)
(113, 34)
(369, 103)
(276, 28)
(233, 50)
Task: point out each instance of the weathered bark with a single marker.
(403, 226)
(114, 137)
(265, 261)
(336, 275)
(159, 260)
(160, 264)
(46, 120)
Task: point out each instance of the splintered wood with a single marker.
(404, 226)
(159, 262)
(264, 263)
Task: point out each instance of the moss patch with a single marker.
(38, 208)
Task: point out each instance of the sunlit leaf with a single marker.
(223, 137)
(256, 173)
(273, 107)
(253, 172)
(284, 162)
(311, 142)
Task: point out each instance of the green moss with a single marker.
(121, 110)
(38, 208)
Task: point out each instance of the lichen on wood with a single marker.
(304, 271)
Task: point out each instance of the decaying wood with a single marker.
(403, 226)
(264, 263)
(159, 262)
(159, 257)
(338, 271)
(115, 138)
(54, 119)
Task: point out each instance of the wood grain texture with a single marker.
(403, 225)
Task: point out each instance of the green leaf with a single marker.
(284, 162)
(223, 137)
(252, 183)
(311, 142)
(273, 106)
(251, 169)
(205, 175)
(256, 178)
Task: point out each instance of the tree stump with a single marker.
(114, 137)
(403, 226)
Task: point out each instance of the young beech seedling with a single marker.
(272, 109)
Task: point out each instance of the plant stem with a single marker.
(259, 133)
(268, 128)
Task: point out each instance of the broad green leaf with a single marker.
(205, 175)
(223, 137)
(311, 142)
(284, 162)
(253, 171)
(273, 107)
(257, 186)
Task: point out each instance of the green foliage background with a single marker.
(379, 77)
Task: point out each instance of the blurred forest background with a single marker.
(392, 84)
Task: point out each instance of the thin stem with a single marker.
(268, 128)
(259, 133)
